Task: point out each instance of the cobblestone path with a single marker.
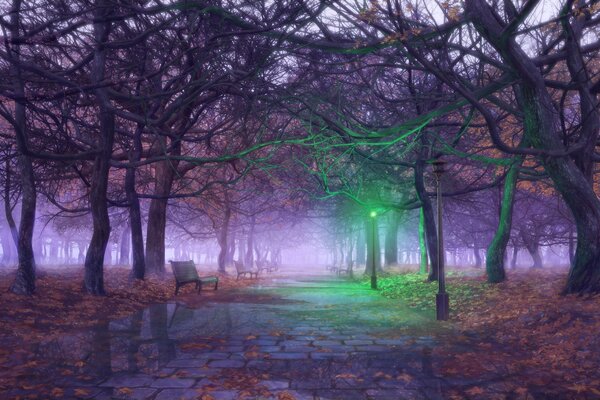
(305, 338)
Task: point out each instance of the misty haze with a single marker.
(299, 199)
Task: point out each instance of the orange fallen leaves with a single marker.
(525, 327)
(285, 396)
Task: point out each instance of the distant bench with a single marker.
(243, 270)
(266, 266)
(185, 272)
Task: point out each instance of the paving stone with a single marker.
(179, 394)
(304, 338)
(173, 382)
(372, 348)
(128, 381)
(286, 343)
(310, 384)
(288, 356)
(262, 342)
(230, 349)
(269, 349)
(275, 385)
(341, 394)
(362, 336)
(298, 349)
(191, 363)
(394, 394)
(226, 364)
(324, 343)
(133, 394)
(391, 342)
(326, 356)
(195, 372)
(259, 364)
(357, 342)
(338, 348)
(214, 355)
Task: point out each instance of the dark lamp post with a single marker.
(441, 299)
(373, 215)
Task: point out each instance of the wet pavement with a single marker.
(304, 338)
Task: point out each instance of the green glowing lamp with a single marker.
(373, 214)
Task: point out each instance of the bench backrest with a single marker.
(184, 271)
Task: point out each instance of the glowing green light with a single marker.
(373, 214)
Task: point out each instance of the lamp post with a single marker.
(441, 299)
(373, 215)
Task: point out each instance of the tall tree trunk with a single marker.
(249, 258)
(477, 256)
(7, 206)
(497, 249)
(424, 264)
(360, 247)
(373, 248)
(391, 239)
(8, 248)
(124, 249)
(513, 263)
(222, 238)
(157, 217)
(428, 218)
(571, 179)
(24, 282)
(138, 267)
(94, 259)
(572, 245)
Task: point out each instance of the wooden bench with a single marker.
(242, 270)
(347, 270)
(185, 272)
(265, 266)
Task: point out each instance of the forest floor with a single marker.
(60, 307)
(60, 304)
(522, 327)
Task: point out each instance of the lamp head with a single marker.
(373, 214)
(438, 166)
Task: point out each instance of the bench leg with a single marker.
(199, 286)
(176, 289)
(216, 284)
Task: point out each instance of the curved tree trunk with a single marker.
(497, 249)
(428, 219)
(570, 178)
(94, 259)
(423, 264)
(24, 282)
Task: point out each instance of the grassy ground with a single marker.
(522, 326)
